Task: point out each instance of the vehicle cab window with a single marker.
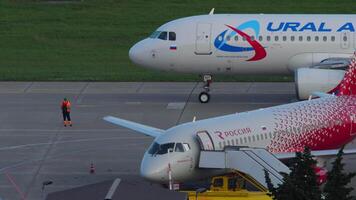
(172, 36)
(219, 182)
(163, 35)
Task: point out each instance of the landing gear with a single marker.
(204, 96)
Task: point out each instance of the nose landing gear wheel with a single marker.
(204, 97)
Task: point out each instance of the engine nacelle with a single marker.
(309, 80)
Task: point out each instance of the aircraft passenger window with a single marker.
(260, 38)
(224, 143)
(163, 35)
(228, 38)
(186, 147)
(292, 38)
(316, 38)
(179, 147)
(163, 148)
(155, 34)
(270, 134)
(241, 141)
(268, 38)
(253, 138)
(243, 38)
(262, 137)
(245, 139)
(325, 38)
(257, 137)
(284, 38)
(344, 38)
(333, 38)
(228, 142)
(276, 38)
(237, 141)
(236, 38)
(172, 36)
(220, 145)
(300, 38)
(249, 138)
(308, 38)
(266, 136)
(252, 38)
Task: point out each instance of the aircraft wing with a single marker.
(146, 130)
(321, 94)
(321, 153)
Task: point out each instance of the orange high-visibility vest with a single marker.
(66, 105)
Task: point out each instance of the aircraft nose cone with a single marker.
(134, 54)
(150, 171)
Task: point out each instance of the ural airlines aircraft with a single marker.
(316, 48)
(324, 124)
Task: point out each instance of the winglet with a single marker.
(212, 11)
(348, 84)
(146, 130)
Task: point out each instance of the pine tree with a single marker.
(270, 187)
(300, 183)
(337, 180)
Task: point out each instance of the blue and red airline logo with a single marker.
(221, 41)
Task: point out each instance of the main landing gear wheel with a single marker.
(204, 97)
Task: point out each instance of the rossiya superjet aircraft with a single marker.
(323, 124)
(316, 48)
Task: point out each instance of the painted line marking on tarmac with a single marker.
(133, 103)
(176, 105)
(17, 188)
(66, 142)
(112, 189)
(61, 155)
(69, 130)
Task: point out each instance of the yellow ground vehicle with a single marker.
(230, 187)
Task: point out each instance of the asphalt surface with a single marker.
(35, 147)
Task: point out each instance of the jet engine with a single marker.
(309, 80)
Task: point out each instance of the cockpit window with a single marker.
(172, 36)
(155, 34)
(154, 148)
(186, 147)
(179, 147)
(160, 149)
(163, 35)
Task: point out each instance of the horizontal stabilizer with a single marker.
(321, 153)
(146, 130)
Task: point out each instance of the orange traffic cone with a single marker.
(92, 169)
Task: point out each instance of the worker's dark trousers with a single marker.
(66, 116)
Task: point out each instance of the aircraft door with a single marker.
(205, 141)
(203, 39)
(345, 40)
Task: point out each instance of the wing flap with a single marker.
(144, 129)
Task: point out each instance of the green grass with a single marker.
(89, 40)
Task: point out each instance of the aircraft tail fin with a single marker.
(348, 84)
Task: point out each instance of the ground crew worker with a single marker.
(65, 106)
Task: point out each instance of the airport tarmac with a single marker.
(35, 147)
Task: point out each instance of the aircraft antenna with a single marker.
(212, 11)
(194, 118)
